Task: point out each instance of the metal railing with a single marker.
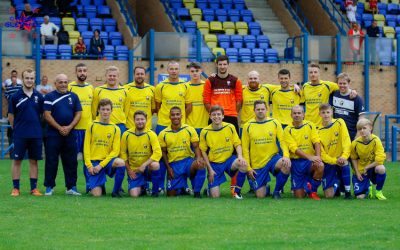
(395, 132)
(389, 118)
(127, 11)
(343, 24)
(299, 16)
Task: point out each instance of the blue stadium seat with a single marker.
(82, 24)
(96, 23)
(56, 21)
(360, 7)
(398, 20)
(116, 38)
(224, 41)
(221, 15)
(208, 15)
(232, 54)
(367, 19)
(249, 41)
(183, 13)
(110, 24)
(108, 52)
(247, 15)
(255, 28)
(38, 20)
(258, 55)
(86, 2)
(239, 4)
(190, 26)
(227, 4)
(382, 8)
(98, 2)
(263, 41)
(214, 4)
(104, 36)
(175, 4)
(103, 11)
(51, 51)
(90, 11)
(245, 55)
(391, 20)
(122, 52)
(80, 10)
(201, 4)
(392, 8)
(272, 55)
(234, 15)
(397, 29)
(65, 51)
(87, 35)
(237, 41)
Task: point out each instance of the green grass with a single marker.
(184, 222)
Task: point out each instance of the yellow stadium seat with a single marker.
(195, 13)
(389, 31)
(242, 28)
(394, 1)
(216, 27)
(211, 40)
(366, 6)
(189, 4)
(229, 28)
(385, 1)
(380, 19)
(73, 37)
(204, 27)
(218, 51)
(68, 23)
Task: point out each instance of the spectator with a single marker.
(96, 44)
(44, 88)
(80, 47)
(12, 88)
(348, 2)
(373, 31)
(351, 12)
(356, 36)
(67, 8)
(8, 81)
(373, 6)
(48, 31)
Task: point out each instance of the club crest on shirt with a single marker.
(291, 101)
(270, 134)
(262, 97)
(69, 100)
(180, 94)
(341, 102)
(36, 99)
(147, 98)
(319, 94)
(228, 83)
(109, 135)
(306, 137)
(145, 146)
(336, 134)
(90, 97)
(227, 139)
(120, 99)
(184, 141)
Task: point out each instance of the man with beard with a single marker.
(24, 111)
(84, 91)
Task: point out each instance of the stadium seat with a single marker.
(245, 55)
(108, 52)
(232, 54)
(190, 27)
(263, 41)
(380, 19)
(393, 8)
(56, 21)
(382, 8)
(218, 51)
(203, 27)
(87, 35)
(394, 1)
(216, 27)
(211, 40)
(175, 4)
(201, 4)
(68, 23)
(367, 20)
(214, 4)
(65, 51)
(80, 10)
(38, 21)
(221, 15)
(249, 41)
(96, 23)
(189, 3)
(110, 24)
(98, 2)
(227, 4)
(241, 28)
(73, 36)
(397, 30)
(183, 13)
(247, 15)
(85, 2)
(272, 55)
(122, 52)
(258, 55)
(51, 51)
(104, 36)
(237, 41)
(391, 20)
(195, 14)
(208, 15)
(224, 41)
(234, 15)
(90, 11)
(116, 38)
(389, 32)
(255, 28)
(82, 24)
(239, 4)
(103, 11)
(229, 28)
(385, 1)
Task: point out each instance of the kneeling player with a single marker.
(177, 141)
(367, 156)
(305, 153)
(335, 141)
(260, 139)
(101, 149)
(141, 152)
(219, 139)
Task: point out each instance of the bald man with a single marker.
(62, 111)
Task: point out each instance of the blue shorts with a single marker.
(198, 130)
(80, 138)
(361, 187)
(300, 173)
(160, 128)
(330, 178)
(33, 145)
(181, 173)
(121, 127)
(220, 169)
(140, 180)
(240, 132)
(100, 178)
(262, 177)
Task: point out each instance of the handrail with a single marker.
(395, 131)
(4, 152)
(176, 24)
(128, 19)
(387, 133)
(299, 16)
(293, 39)
(344, 23)
(132, 16)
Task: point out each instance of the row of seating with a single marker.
(82, 2)
(212, 4)
(237, 41)
(65, 52)
(246, 55)
(228, 28)
(220, 15)
(82, 23)
(112, 38)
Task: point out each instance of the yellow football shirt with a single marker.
(302, 138)
(249, 97)
(367, 152)
(85, 95)
(282, 103)
(118, 98)
(198, 118)
(139, 99)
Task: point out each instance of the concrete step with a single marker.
(262, 14)
(256, 3)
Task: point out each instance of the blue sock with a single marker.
(155, 178)
(240, 179)
(198, 180)
(346, 177)
(16, 183)
(86, 174)
(380, 180)
(162, 174)
(281, 180)
(314, 185)
(119, 178)
(33, 182)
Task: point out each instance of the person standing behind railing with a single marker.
(373, 31)
(356, 37)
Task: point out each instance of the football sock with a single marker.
(380, 180)
(162, 174)
(33, 182)
(16, 183)
(314, 185)
(346, 177)
(119, 178)
(240, 179)
(233, 180)
(86, 174)
(155, 178)
(198, 180)
(281, 179)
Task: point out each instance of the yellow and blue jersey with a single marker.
(335, 141)
(303, 138)
(178, 143)
(249, 97)
(139, 99)
(260, 142)
(118, 98)
(85, 95)
(219, 143)
(367, 152)
(102, 143)
(198, 118)
(137, 148)
(282, 103)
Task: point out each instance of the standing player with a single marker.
(140, 97)
(217, 142)
(260, 141)
(349, 109)
(116, 94)
(335, 143)
(101, 149)
(24, 110)
(62, 111)
(197, 115)
(141, 152)
(84, 91)
(283, 99)
(305, 153)
(368, 156)
(177, 141)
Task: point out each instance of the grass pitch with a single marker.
(65, 222)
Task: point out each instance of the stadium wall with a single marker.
(382, 78)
